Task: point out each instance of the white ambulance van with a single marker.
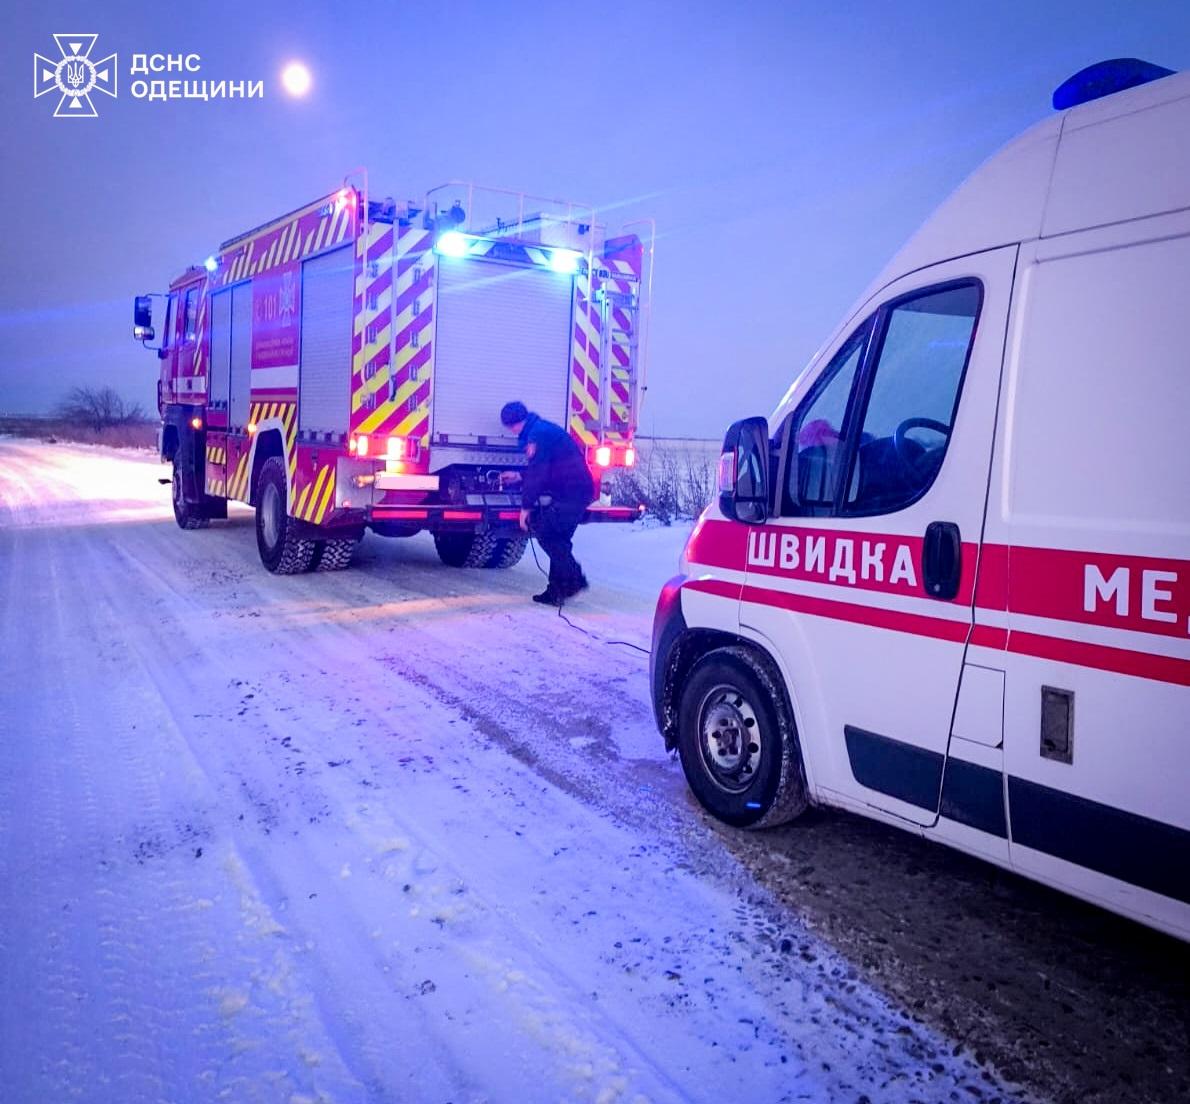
(947, 583)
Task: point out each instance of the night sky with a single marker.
(786, 151)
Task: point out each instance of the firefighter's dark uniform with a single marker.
(557, 487)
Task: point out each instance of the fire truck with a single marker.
(342, 368)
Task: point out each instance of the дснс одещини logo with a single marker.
(75, 76)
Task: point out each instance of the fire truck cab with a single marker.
(947, 583)
(342, 368)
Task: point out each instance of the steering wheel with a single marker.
(901, 442)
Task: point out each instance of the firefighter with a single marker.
(556, 489)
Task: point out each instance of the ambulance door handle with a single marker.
(942, 560)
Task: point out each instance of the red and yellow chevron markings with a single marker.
(584, 364)
(371, 360)
(324, 223)
(624, 279)
(263, 416)
(414, 324)
(317, 497)
(216, 482)
(401, 286)
(237, 482)
(602, 356)
(260, 414)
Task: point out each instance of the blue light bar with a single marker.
(564, 261)
(1105, 78)
(211, 263)
(453, 244)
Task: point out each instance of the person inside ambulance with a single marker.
(556, 489)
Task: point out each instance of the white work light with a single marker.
(564, 261)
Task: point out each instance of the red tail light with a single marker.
(629, 456)
(603, 456)
(383, 448)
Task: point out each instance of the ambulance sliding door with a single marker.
(1095, 512)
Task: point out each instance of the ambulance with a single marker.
(946, 584)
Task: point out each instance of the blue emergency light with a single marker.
(1105, 78)
(564, 261)
(453, 244)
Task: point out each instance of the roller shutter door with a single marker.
(220, 347)
(325, 378)
(503, 333)
(241, 354)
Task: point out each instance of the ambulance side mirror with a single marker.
(744, 472)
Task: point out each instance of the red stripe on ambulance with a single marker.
(1136, 593)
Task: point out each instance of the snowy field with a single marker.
(399, 834)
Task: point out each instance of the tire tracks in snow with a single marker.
(345, 920)
(432, 635)
(324, 666)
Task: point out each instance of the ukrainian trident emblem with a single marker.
(74, 75)
(287, 299)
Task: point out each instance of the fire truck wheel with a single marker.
(737, 742)
(333, 555)
(464, 549)
(507, 552)
(281, 550)
(186, 514)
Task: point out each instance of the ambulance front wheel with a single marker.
(737, 741)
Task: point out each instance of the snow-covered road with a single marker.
(398, 834)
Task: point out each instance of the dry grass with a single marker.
(674, 479)
(133, 435)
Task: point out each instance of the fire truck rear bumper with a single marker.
(494, 517)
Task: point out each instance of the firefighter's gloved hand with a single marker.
(509, 478)
(525, 520)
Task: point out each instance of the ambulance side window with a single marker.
(819, 451)
(912, 391)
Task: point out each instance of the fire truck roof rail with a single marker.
(485, 208)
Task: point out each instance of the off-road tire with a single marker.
(281, 551)
(186, 514)
(464, 549)
(333, 555)
(776, 793)
(507, 552)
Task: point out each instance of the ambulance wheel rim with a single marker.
(729, 738)
(270, 508)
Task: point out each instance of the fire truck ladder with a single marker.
(618, 360)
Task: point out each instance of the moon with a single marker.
(296, 78)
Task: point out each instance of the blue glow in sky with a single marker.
(786, 151)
